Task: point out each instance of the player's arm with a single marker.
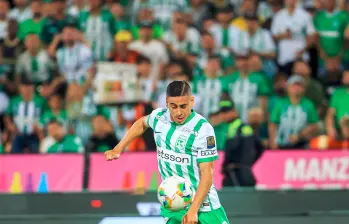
(207, 154)
(136, 130)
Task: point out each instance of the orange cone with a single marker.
(140, 183)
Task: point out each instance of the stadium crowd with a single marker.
(281, 66)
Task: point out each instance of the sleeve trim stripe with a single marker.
(209, 159)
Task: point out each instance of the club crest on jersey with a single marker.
(180, 143)
(211, 143)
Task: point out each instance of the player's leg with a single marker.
(217, 216)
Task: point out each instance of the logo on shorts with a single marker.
(180, 143)
(225, 222)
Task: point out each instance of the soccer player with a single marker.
(186, 147)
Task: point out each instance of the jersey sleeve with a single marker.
(152, 118)
(207, 146)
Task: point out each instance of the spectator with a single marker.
(264, 10)
(54, 22)
(182, 40)
(34, 24)
(98, 26)
(209, 87)
(222, 118)
(313, 88)
(77, 7)
(275, 6)
(243, 149)
(293, 120)
(338, 113)
(163, 11)
(55, 111)
(102, 138)
(199, 9)
(146, 14)
(74, 61)
(246, 6)
(22, 116)
(121, 22)
(10, 49)
(246, 89)
(330, 25)
(208, 49)
(173, 69)
(256, 119)
(257, 41)
(21, 11)
(293, 28)
(64, 143)
(279, 91)
(148, 46)
(35, 62)
(120, 52)
(3, 18)
(223, 31)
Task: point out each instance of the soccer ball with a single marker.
(175, 193)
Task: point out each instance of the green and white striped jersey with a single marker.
(210, 91)
(99, 31)
(39, 67)
(191, 43)
(181, 148)
(26, 114)
(260, 42)
(74, 62)
(163, 9)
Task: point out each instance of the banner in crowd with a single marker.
(303, 170)
(274, 170)
(41, 173)
(116, 83)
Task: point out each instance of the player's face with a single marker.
(180, 107)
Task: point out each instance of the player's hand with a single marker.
(111, 155)
(190, 218)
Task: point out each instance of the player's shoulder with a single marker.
(203, 123)
(158, 111)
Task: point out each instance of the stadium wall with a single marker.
(242, 206)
